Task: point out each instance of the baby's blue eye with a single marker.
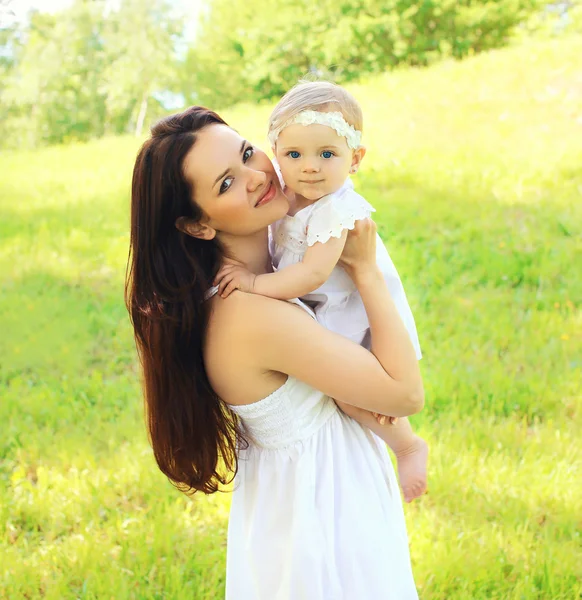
(327, 154)
(294, 154)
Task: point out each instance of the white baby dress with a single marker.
(337, 303)
(316, 512)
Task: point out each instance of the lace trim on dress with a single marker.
(336, 216)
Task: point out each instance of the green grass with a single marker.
(475, 169)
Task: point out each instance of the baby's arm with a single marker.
(292, 281)
(304, 277)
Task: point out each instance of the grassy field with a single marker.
(476, 171)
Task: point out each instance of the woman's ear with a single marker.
(357, 157)
(195, 228)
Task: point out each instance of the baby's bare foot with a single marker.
(412, 469)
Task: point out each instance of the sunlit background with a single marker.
(473, 123)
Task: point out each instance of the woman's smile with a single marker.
(269, 194)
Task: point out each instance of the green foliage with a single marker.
(243, 52)
(140, 44)
(556, 19)
(86, 71)
(44, 94)
(474, 168)
(102, 67)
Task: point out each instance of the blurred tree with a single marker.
(245, 52)
(9, 47)
(87, 70)
(101, 67)
(140, 38)
(53, 90)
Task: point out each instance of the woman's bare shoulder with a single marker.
(241, 312)
(245, 326)
(234, 346)
(254, 342)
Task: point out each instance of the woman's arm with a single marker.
(284, 338)
(291, 282)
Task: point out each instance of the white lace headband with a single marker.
(335, 120)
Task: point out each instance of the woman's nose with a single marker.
(255, 179)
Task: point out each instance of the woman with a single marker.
(245, 384)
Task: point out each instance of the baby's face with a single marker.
(314, 159)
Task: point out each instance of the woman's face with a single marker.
(234, 183)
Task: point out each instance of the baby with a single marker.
(315, 132)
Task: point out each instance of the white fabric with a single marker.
(337, 303)
(316, 511)
(335, 120)
(210, 292)
(336, 212)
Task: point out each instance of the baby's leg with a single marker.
(411, 453)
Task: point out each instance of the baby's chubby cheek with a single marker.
(287, 174)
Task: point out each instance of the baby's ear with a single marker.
(357, 158)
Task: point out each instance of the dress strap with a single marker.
(211, 292)
(302, 305)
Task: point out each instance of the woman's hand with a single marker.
(359, 255)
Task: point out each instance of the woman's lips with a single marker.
(268, 195)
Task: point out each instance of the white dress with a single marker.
(337, 303)
(316, 512)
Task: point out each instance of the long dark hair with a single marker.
(193, 434)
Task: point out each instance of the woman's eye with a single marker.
(293, 154)
(248, 153)
(225, 185)
(327, 154)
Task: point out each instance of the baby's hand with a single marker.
(233, 277)
(382, 419)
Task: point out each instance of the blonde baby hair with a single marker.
(322, 96)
